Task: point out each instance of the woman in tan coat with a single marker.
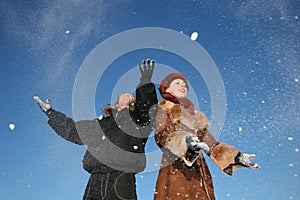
(182, 134)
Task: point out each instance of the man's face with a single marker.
(124, 100)
(177, 88)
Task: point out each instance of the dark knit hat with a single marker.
(165, 83)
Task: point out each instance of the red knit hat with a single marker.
(165, 83)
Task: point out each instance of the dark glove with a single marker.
(244, 160)
(45, 106)
(194, 146)
(146, 70)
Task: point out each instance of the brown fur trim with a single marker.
(162, 102)
(175, 113)
(176, 143)
(132, 105)
(198, 121)
(204, 122)
(107, 109)
(166, 104)
(223, 156)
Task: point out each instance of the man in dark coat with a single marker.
(115, 143)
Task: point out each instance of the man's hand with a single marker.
(45, 106)
(146, 70)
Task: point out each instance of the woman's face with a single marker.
(177, 88)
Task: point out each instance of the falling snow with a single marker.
(194, 36)
(11, 127)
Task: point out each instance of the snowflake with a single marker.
(194, 36)
(11, 127)
(135, 147)
(291, 165)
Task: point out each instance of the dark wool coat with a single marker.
(179, 178)
(115, 144)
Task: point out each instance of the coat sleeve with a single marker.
(145, 109)
(222, 154)
(64, 126)
(146, 99)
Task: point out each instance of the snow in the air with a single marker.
(11, 127)
(194, 36)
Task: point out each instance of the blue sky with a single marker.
(254, 45)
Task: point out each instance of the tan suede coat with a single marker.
(179, 178)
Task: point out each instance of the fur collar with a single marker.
(178, 113)
(107, 110)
